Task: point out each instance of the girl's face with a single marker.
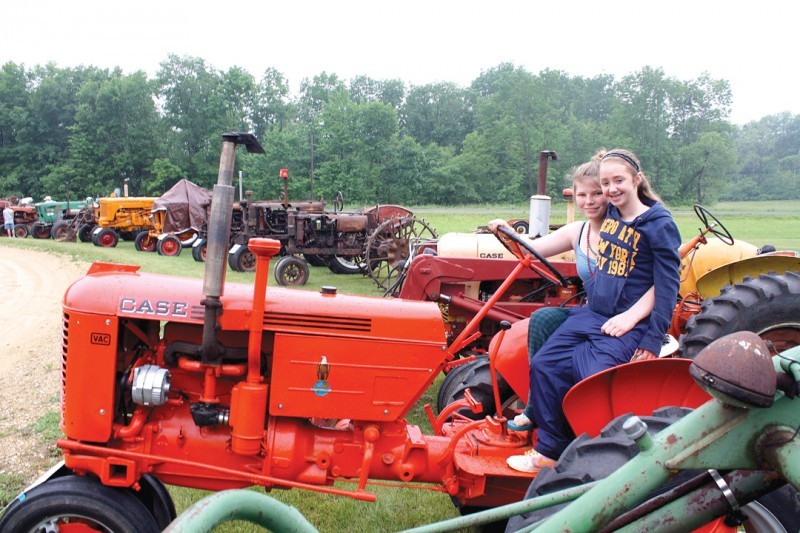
(619, 186)
(590, 200)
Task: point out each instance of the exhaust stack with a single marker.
(219, 229)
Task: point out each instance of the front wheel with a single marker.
(106, 238)
(241, 259)
(199, 250)
(169, 245)
(145, 242)
(291, 271)
(85, 233)
(79, 503)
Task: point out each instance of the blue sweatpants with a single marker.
(575, 351)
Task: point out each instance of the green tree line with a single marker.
(86, 130)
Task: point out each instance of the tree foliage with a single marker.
(380, 141)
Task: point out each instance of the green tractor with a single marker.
(54, 218)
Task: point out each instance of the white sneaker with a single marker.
(531, 462)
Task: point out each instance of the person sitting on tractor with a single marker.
(637, 251)
(582, 237)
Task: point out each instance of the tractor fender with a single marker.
(710, 284)
(511, 360)
(639, 388)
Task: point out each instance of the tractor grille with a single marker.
(290, 321)
(64, 349)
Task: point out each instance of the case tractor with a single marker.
(215, 385)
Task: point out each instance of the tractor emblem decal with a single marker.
(322, 387)
(161, 308)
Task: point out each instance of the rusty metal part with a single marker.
(737, 369)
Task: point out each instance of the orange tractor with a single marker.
(220, 385)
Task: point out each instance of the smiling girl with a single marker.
(637, 250)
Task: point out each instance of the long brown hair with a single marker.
(631, 162)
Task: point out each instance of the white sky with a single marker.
(752, 44)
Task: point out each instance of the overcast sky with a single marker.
(754, 45)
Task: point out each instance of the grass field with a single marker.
(777, 223)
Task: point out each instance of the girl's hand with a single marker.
(494, 224)
(619, 325)
(642, 355)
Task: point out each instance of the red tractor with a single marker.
(215, 386)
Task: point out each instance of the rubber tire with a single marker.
(315, 260)
(242, 260)
(291, 271)
(41, 231)
(169, 245)
(145, 242)
(344, 265)
(156, 498)
(115, 509)
(521, 227)
(755, 304)
(85, 232)
(21, 231)
(590, 459)
(199, 249)
(59, 230)
(475, 376)
(106, 238)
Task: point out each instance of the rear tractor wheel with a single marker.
(59, 230)
(391, 245)
(41, 231)
(768, 306)
(476, 376)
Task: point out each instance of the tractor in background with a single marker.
(372, 240)
(24, 214)
(215, 385)
(53, 218)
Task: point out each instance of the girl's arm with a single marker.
(560, 241)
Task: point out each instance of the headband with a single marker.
(626, 157)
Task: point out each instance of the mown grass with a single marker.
(777, 223)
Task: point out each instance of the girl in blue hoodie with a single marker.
(637, 250)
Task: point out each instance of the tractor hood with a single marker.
(123, 291)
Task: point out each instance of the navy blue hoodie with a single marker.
(632, 257)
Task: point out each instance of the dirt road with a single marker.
(30, 336)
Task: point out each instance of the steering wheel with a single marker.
(515, 242)
(717, 228)
(338, 201)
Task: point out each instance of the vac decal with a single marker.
(103, 339)
(322, 387)
(159, 308)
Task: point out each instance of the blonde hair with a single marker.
(586, 172)
(631, 162)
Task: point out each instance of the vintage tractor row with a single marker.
(221, 385)
(372, 240)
